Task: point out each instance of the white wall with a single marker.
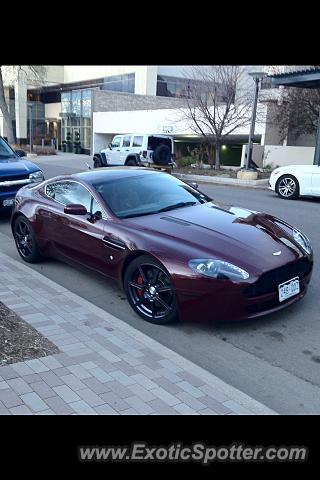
(52, 110)
(284, 155)
(151, 121)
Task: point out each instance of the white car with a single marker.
(292, 181)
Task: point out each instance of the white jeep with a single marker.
(136, 149)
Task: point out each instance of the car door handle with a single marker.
(116, 244)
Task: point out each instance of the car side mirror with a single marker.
(75, 209)
(20, 153)
(110, 146)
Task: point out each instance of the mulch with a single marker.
(19, 341)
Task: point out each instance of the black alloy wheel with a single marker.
(26, 240)
(150, 292)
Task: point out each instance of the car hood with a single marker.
(226, 232)
(17, 167)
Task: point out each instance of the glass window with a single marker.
(66, 102)
(116, 142)
(86, 103)
(137, 141)
(126, 141)
(69, 193)
(147, 194)
(76, 103)
(120, 83)
(5, 150)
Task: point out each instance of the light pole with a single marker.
(257, 76)
(30, 126)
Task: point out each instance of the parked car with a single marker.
(293, 181)
(14, 173)
(136, 149)
(174, 251)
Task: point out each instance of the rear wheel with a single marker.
(26, 241)
(131, 162)
(149, 291)
(287, 187)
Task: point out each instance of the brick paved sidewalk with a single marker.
(106, 366)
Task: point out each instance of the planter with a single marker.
(247, 174)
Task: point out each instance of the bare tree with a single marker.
(296, 110)
(34, 74)
(297, 113)
(219, 102)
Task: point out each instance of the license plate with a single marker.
(8, 203)
(289, 289)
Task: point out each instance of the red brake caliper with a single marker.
(140, 282)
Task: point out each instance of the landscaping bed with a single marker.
(19, 341)
(215, 173)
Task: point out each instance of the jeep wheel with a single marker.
(97, 163)
(131, 162)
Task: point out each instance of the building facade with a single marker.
(100, 101)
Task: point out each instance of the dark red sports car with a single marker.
(174, 251)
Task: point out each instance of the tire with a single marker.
(155, 284)
(161, 155)
(26, 241)
(97, 163)
(131, 162)
(287, 187)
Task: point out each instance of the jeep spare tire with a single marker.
(161, 155)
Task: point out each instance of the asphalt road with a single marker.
(274, 359)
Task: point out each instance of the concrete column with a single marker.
(146, 80)
(21, 110)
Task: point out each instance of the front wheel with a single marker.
(287, 187)
(26, 241)
(97, 163)
(149, 291)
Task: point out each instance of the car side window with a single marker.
(116, 142)
(71, 193)
(137, 141)
(126, 141)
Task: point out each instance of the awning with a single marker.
(299, 78)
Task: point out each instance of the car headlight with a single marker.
(303, 240)
(36, 176)
(275, 172)
(214, 268)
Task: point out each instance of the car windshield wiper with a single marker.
(177, 205)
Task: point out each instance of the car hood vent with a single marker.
(176, 220)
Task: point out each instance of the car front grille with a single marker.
(269, 281)
(5, 187)
(11, 178)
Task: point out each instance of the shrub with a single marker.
(186, 161)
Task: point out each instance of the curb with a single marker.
(233, 393)
(263, 183)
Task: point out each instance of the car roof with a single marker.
(106, 174)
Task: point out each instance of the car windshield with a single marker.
(148, 194)
(5, 151)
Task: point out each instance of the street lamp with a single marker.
(257, 76)
(30, 125)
